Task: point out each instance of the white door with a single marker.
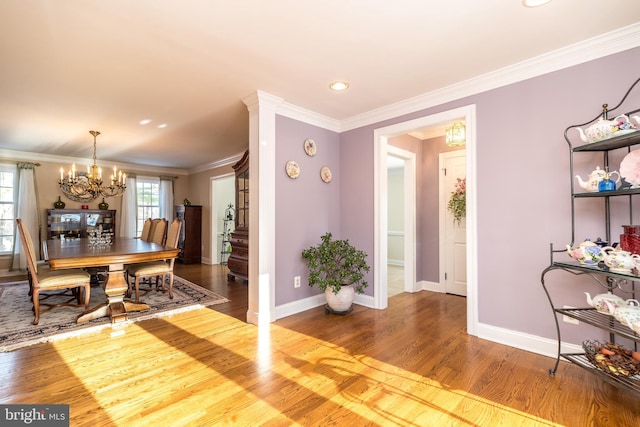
(454, 234)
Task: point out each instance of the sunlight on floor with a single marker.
(237, 384)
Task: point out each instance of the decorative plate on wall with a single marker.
(293, 169)
(325, 174)
(310, 147)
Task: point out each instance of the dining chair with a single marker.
(146, 229)
(42, 265)
(73, 280)
(158, 269)
(159, 234)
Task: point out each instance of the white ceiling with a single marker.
(70, 67)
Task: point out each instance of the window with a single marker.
(7, 207)
(148, 200)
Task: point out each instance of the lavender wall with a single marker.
(522, 188)
(306, 207)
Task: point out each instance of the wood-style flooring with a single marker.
(409, 365)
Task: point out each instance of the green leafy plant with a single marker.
(336, 263)
(458, 202)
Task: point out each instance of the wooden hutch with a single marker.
(238, 261)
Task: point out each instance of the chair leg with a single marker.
(170, 285)
(87, 296)
(137, 285)
(128, 280)
(36, 306)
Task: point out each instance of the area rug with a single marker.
(16, 316)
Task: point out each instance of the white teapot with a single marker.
(603, 129)
(620, 261)
(598, 301)
(626, 313)
(635, 325)
(591, 184)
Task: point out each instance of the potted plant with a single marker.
(337, 268)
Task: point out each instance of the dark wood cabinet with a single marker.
(238, 261)
(74, 223)
(190, 243)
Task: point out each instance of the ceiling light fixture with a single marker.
(88, 186)
(339, 86)
(456, 135)
(534, 3)
(145, 122)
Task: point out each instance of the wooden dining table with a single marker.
(78, 253)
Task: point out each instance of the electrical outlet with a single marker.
(568, 319)
(296, 282)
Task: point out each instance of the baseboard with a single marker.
(305, 304)
(364, 300)
(523, 341)
(299, 306)
(431, 286)
(7, 273)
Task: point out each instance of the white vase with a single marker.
(341, 301)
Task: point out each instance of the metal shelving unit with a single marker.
(610, 281)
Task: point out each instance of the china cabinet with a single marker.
(75, 223)
(615, 209)
(238, 261)
(190, 241)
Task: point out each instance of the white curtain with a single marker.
(166, 198)
(27, 210)
(128, 212)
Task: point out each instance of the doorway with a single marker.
(222, 195)
(381, 147)
(453, 236)
(401, 221)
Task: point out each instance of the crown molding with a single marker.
(15, 155)
(298, 113)
(217, 164)
(587, 50)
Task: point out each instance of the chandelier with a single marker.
(88, 186)
(455, 135)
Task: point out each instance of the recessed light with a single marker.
(534, 3)
(162, 126)
(338, 86)
(145, 122)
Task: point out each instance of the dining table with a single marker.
(82, 253)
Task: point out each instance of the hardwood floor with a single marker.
(409, 365)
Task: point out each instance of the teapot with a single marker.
(635, 325)
(625, 313)
(598, 301)
(587, 252)
(620, 261)
(603, 128)
(591, 184)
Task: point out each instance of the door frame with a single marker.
(380, 137)
(409, 220)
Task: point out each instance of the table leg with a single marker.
(116, 307)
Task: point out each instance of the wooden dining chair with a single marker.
(73, 280)
(159, 234)
(156, 269)
(146, 230)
